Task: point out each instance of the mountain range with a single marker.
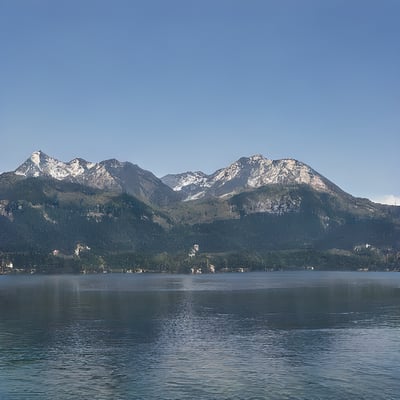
(253, 206)
(245, 174)
(109, 175)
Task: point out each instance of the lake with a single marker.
(279, 335)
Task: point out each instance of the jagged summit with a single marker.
(38, 156)
(109, 175)
(40, 164)
(246, 173)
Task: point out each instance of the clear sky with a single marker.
(177, 85)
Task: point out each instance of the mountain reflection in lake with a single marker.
(300, 335)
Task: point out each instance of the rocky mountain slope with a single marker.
(112, 175)
(246, 174)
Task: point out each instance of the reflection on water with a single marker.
(303, 335)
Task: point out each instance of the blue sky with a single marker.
(193, 85)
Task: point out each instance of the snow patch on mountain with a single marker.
(179, 181)
(107, 175)
(41, 164)
(77, 170)
(246, 173)
(196, 178)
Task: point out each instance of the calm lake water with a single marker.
(298, 335)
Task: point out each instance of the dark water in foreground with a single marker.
(300, 335)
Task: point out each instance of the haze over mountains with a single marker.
(255, 205)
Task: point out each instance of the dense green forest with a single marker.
(50, 226)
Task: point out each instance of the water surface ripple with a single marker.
(297, 335)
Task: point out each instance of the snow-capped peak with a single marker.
(109, 175)
(40, 164)
(246, 173)
(35, 157)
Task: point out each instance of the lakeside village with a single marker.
(81, 251)
(363, 258)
